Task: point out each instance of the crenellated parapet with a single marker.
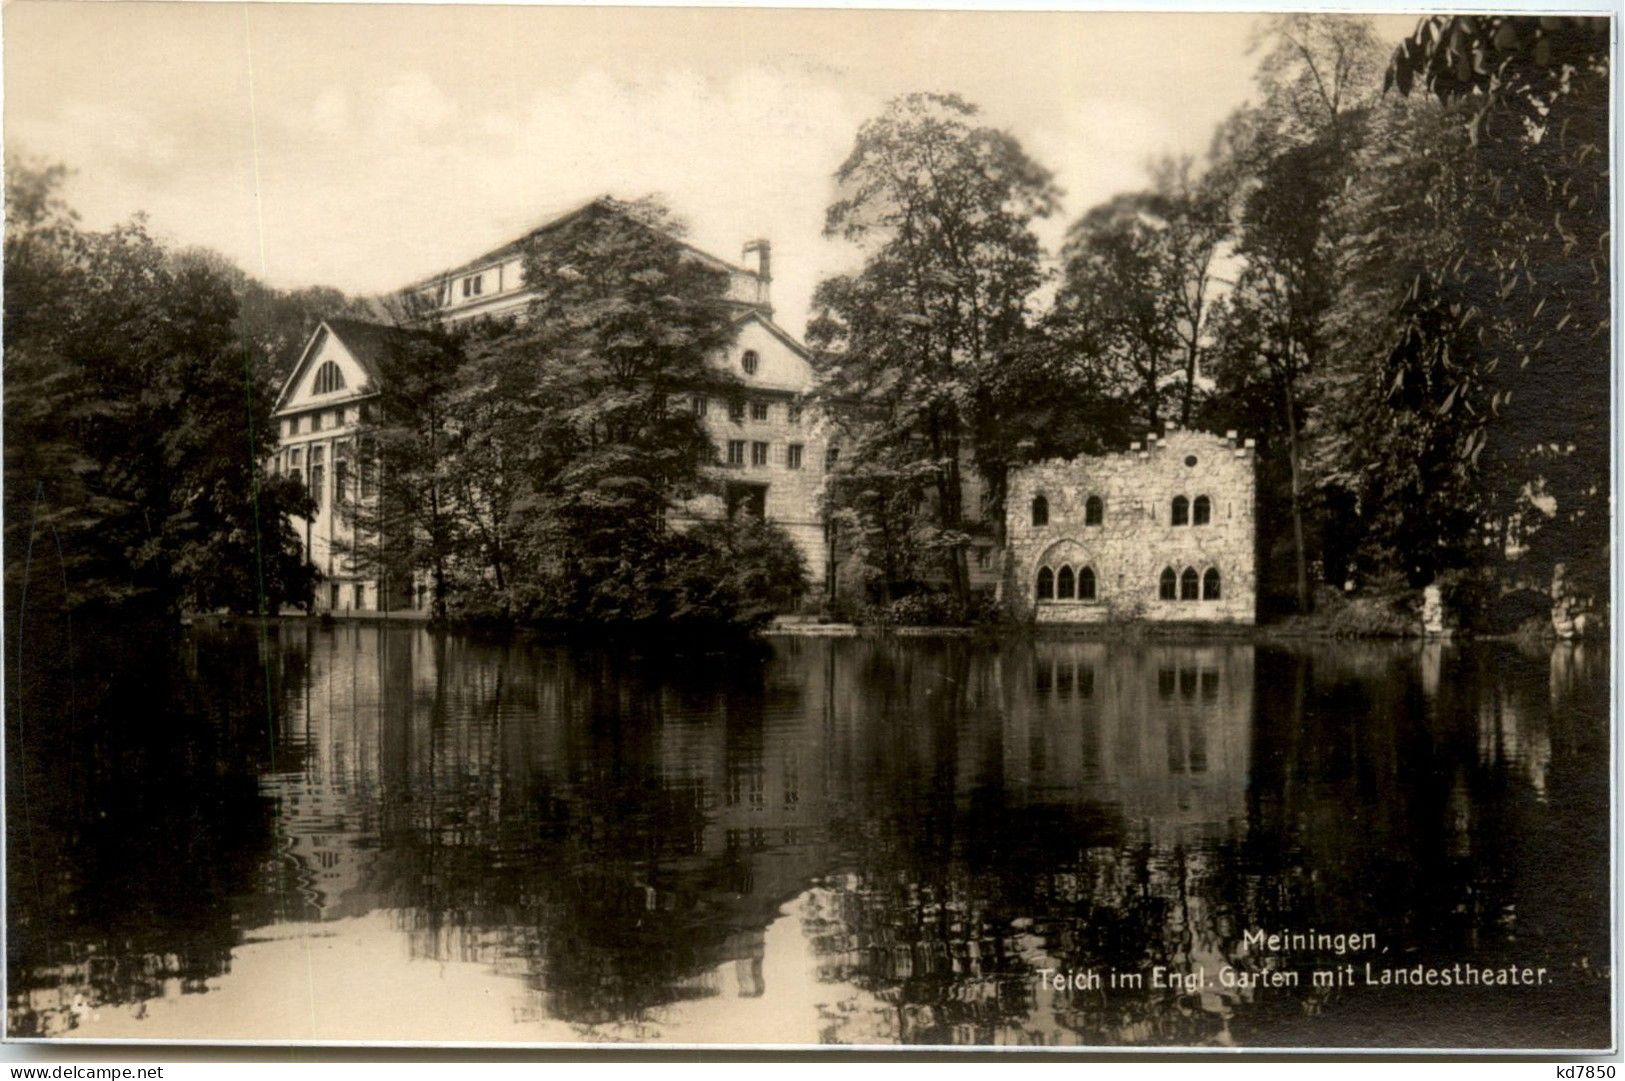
(1163, 531)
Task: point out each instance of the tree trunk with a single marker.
(1191, 353)
(1294, 460)
(951, 495)
(437, 539)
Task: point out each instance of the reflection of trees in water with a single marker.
(1377, 804)
(1057, 828)
(615, 831)
(135, 827)
(620, 832)
(609, 829)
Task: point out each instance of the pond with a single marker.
(285, 831)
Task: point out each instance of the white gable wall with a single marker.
(303, 393)
(779, 366)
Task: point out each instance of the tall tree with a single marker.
(1137, 290)
(943, 210)
(273, 324)
(617, 340)
(1522, 288)
(1293, 153)
(403, 509)
(135, 429)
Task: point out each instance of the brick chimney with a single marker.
(758, 259)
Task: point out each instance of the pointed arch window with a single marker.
(1210, 584)
(1046, 584)
(1181, 512)
(1168, 586)
(1086, 584)
(1064, 584)
(328, 378)
(1094, 511)
(1201, 510)
(1188, 583)
(1040, 510)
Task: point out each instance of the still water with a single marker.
(287, 832)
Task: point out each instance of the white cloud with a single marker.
(394, 142)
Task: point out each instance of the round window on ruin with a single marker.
(1190, 459)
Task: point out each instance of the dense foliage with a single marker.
(924, 337)
(546, 469)
(1404, 297)
(1405, 301)
(1507, 329)
(137, 421)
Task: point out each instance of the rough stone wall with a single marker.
(1136, 539)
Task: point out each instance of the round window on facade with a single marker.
(1190, 460)
(750, 361)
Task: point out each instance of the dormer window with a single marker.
(329, 378)
(750, 362)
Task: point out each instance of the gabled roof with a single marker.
(369, 343)
(754, 314)
(603, 204)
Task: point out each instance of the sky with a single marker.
(367, 146)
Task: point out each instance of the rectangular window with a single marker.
(736, 452)
(758, 410)
(473, 284)
(984, 556)
(794, 413)
(758, 454)
(293, 425)
(295, 460)
(736, 411)
(792, 456)
(341, 481)
(700, 405)
(831, 456)
(315, 422)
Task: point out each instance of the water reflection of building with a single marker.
(439, 775)
(327, 809)
(940, 821)
(1160, 734)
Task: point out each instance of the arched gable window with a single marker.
(329, 378)
(1040, 510)
(1094, 511)
(1046, 584)
(1210, 584)
(1201, 510)
(1086, 584)
(1182, 511)
(1188, 585)
(1168, 587)
(1064, 584)
(750, 362)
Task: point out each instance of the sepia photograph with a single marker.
(794, 529)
